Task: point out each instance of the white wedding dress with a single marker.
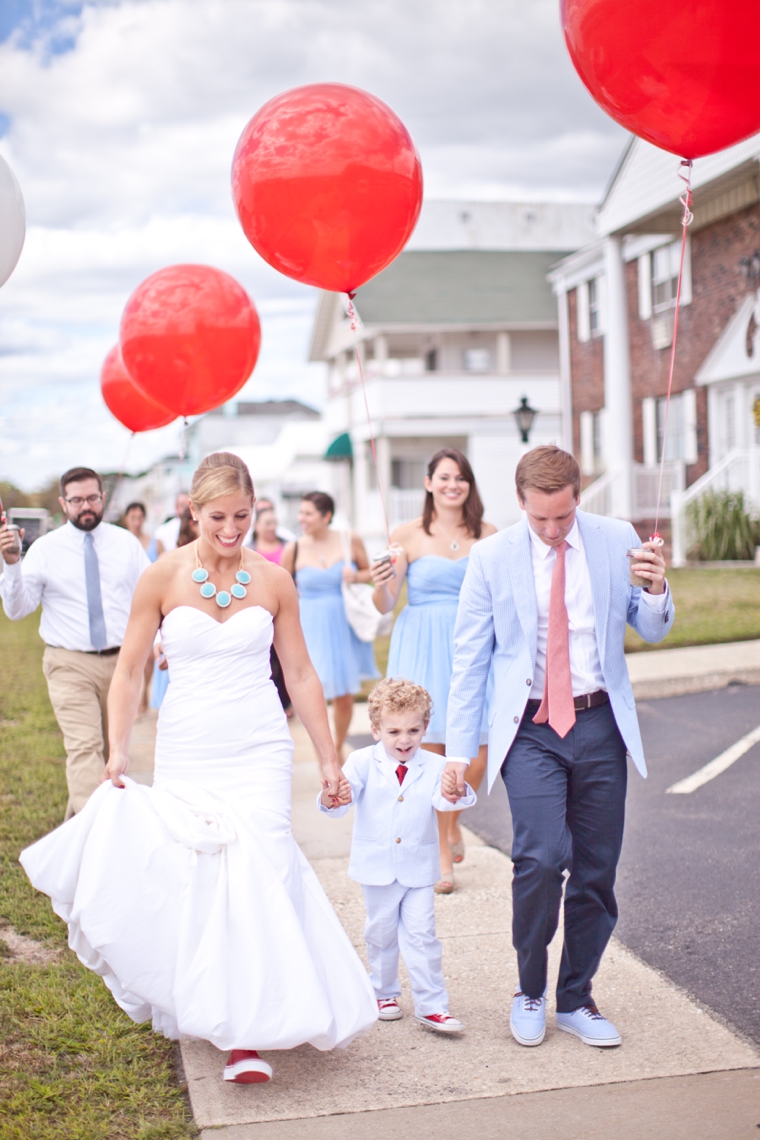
(191, 899)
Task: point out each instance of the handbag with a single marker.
(364, 618)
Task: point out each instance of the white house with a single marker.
(453, 336)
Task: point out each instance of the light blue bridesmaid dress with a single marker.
(341, 660)
(422, 643)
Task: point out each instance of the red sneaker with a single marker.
(245, 1067)
(388, 1009)
(440, 1022)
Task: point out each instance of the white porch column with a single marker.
(617, 382)
(565, 382)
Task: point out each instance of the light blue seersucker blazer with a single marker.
(497, 624)
(395, 828)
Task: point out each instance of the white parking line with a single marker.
(716, 766)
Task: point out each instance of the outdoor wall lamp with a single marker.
(524, 417)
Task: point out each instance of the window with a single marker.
(658, 279)
(477, 360)
(590, 314)
(591, 442)
(407, 474)
(681, 442)
(431, 360)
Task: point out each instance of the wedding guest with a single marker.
(134, 521)
(188, 532)
(167, 534)
(396, 786)
(282, 532)
(545, 605)
(317, 563)
(265, 539)
(433, 553)
(84, 574)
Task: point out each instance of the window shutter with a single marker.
(689, 402)
(584, 326)
(686, 283)
(649, 430)
(645, 286)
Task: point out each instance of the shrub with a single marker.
(722, 527)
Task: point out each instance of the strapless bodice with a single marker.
(313, 582)
(435, 580)
(201, 649)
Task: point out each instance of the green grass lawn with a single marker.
(712, 606)
(72, 1065)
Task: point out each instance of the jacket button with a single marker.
(398, 840)
(401, 799)
(529, 682)
(517, 720)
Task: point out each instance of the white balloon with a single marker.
(12, 221)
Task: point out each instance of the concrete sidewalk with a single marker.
(678, 1074)
(694, 669)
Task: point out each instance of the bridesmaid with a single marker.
(434, 552)
(316, 562)
(264, 539)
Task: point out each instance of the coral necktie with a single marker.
(557, 706)
(401, 771)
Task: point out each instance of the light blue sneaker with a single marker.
(528, 1019)
(588, 1024)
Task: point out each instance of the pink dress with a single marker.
(272, 555)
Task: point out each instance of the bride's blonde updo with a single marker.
(220, 474)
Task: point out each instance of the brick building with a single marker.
(616, 300)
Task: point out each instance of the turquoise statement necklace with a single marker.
(208, 589)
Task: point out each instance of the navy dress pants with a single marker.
(567, 798)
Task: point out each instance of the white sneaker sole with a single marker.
(439, 1028)
(260, 1072)
(609, 1043)
(390, 1015)
(528, 1042)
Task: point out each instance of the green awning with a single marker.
(340, 448)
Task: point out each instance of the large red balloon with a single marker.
(125, 401)
(189, 338)
(682, 74)
(327, 184)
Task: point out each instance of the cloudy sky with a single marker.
(120, 118)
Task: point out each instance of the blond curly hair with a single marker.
(394, 695)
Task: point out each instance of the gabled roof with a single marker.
(736, 352)
(461, 287)
(644, 190)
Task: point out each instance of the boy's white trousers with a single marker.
(403, 918)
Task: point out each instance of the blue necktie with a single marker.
(94, 599)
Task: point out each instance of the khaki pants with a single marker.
(78, 685)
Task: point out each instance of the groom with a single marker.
(545, 604)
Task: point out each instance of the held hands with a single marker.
(452, 782)
(653, 568)
(339, 798)
(349, 575)
(10, 543)
(115, 769)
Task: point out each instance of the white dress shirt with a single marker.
(53, 573)
(168, 533)
(585, 666)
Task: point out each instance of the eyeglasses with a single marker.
(91, 500)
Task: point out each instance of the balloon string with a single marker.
(352, 316)
(182, 438)
(687, 218)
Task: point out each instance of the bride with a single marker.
(191, 899)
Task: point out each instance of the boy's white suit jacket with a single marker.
(395, 829)
(497, 626)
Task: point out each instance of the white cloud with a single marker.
(123, 145)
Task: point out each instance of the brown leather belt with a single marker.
(587, 701)
(104, 652)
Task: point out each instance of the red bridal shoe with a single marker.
(245, 1067)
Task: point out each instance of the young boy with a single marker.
(396, 786)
